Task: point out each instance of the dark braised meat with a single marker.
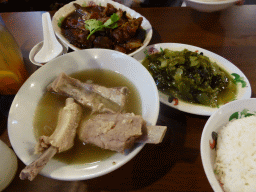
(103, 42)
(126, 37)
(133, 44)
(127, 30)
(79, 38)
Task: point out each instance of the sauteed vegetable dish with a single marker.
(96, 26)
(190, 76)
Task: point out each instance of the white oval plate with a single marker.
(69, 8)
(21, 115)
(243, 93)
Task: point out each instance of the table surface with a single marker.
(175, 164)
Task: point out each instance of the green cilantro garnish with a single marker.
(60, 21)
(243, 113)
(111, 23)
(234, 116)
(239, 79)
(246, 113)
(94, 25)
(161, 49)
(84, 4)
(146, 53)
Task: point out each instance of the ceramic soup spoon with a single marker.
(51, 47)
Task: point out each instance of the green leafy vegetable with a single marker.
(191, 77)
(94, 25)
(239, 79)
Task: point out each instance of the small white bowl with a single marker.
(69, 8)
(37, 48)
(209, 6)
(21, 115)
(215, 123)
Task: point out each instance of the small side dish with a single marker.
(235, 164)
(96, 26)
(227, 147)
(85, 24)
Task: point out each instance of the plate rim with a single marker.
(203, 110)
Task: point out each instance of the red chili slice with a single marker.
(176, 101)
(213, 144)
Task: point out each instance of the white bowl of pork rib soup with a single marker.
(85, 113)
(228, 146)
(85, 24)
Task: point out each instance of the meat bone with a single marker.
(145, 134)
(96, 97)
(119, 131)
(62, 139)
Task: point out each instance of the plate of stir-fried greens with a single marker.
(192, 79)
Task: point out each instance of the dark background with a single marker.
(51, 5)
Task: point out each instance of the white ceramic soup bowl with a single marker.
(69, 8)
(216, 121)
(210, 5)
(20, 121)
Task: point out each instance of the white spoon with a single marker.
(51, 47)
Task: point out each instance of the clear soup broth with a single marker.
(45, 119)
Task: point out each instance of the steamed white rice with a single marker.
(235, 162)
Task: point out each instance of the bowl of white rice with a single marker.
(228, 147)
(210, 5)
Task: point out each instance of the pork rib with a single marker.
(118, 132)
(152, 134)
(98, 98)
(61, 140)
(32, 170)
